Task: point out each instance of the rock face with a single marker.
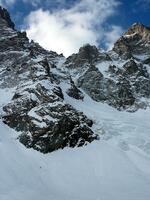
(119, 77)
(135, 41)
(6, 17)
(87, 54)
(74, 92)
(38, 110)
(116, 93)
(41, 81)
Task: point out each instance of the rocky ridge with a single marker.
(37, 109)
(39, 81)
(120, 77)
(134, 42)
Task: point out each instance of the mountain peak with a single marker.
(137, 24)
(140, 29)
(135, 41)
(5, 16)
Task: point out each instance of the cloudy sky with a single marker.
(65, 25)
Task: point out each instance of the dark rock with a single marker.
(131, 68)
(5, 15)
(46, 122)
(25, 140)
(118, 95)
(87, 55)
(92, 83)
(69, 128)
(74, 92)
(88, 52)
(122, 48)
(147, 61)
(135, 41)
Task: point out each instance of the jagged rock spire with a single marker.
(140, 29)
(135, 41)
(5, 15)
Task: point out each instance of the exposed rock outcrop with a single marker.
(37, 109)
(119, 77)
(40, 81)
(135, 41)
(5, 15)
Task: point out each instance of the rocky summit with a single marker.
(42, 84)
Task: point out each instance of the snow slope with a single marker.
(114, 168)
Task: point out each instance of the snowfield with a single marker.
(117, 167)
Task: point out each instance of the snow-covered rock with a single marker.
(37, 109)
(120, 77)
(50, 102)
(41, 79)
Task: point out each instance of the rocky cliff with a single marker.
(119, 77)
(37, 109)
(39, 81)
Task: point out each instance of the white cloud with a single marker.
(66, 30)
